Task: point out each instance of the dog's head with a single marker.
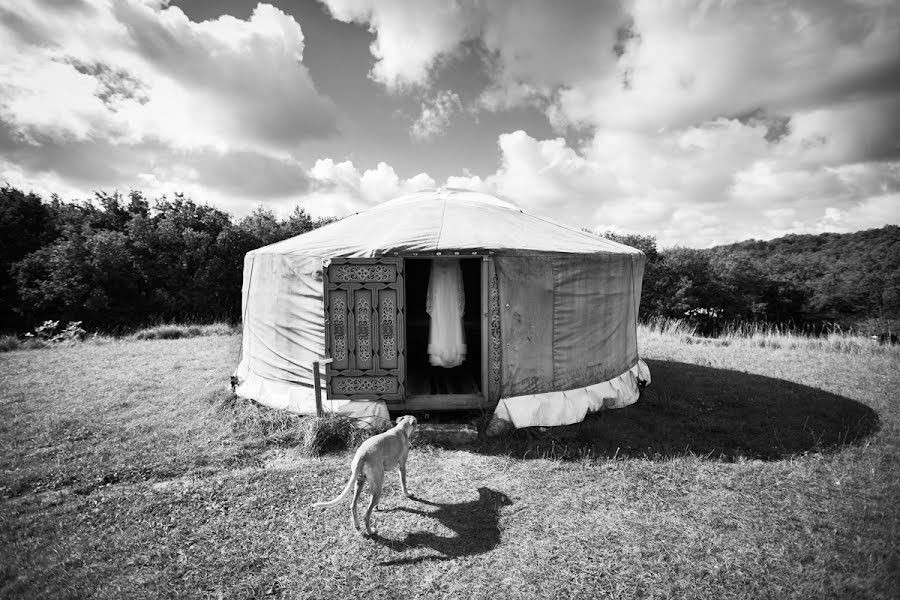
(408, 424)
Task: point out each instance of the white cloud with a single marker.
(435, 115)
(340, 188)
(410, 36)
(700, 121)
(684, 63)
(128, 72)
(698, 187)
(105, 94)
(642, 64)
(468, 181)
(848, 132)
(531, 46)
(703, 121)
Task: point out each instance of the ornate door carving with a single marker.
(364, 329)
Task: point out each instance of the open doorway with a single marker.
(422, 378)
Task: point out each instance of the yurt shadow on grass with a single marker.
(716, 413)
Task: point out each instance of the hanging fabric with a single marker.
(446, 305)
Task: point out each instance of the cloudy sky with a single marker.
(697, 121)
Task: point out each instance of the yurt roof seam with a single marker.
(441, 230)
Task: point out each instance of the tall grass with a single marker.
(174, 331)
(767, 335)
(160, 331)
(667, 327)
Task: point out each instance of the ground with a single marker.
(745, 471)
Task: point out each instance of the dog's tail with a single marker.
(346, 491)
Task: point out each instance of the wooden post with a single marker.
(318, 387)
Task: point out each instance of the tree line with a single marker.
(117, 261)
(121, 261)
(805, 282)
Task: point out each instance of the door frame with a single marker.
(489, 334)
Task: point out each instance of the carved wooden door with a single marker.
(364, 329)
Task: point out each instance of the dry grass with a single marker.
(658, 327)
(769, 336)
(127, 471)
(331, 433)
(174, 331)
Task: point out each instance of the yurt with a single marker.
(443, 300)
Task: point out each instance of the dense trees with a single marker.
(119, 261)
(840, 277)
(804, 281)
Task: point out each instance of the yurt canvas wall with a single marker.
(553, 337)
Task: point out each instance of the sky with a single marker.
(699, 122)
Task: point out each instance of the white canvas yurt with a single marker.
(441, 300)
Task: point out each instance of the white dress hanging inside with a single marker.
(446, 304)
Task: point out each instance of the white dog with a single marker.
(376, 455)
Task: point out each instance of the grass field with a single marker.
(749, 469)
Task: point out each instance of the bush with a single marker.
(9, 343)
(49, 334)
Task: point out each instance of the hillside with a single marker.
(808, 282)
(854, 274)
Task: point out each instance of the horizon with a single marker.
(701, 124)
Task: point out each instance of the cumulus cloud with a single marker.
(409, 36)
(641, 64)
(684, 63)
(700, 121)
(100, 91)
(717, 182)
(531, 46)
(340, 188)
(129, 71)
(536, 48)
(701, 186)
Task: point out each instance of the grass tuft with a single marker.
(266, 427)
(332, 433)
(252, 421)
(9, 343)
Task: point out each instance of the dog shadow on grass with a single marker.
(475, 527)
(718, 413)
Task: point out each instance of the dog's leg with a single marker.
(376, 481)
(402, 466)
(357, 489)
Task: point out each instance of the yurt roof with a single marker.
(444, 220)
